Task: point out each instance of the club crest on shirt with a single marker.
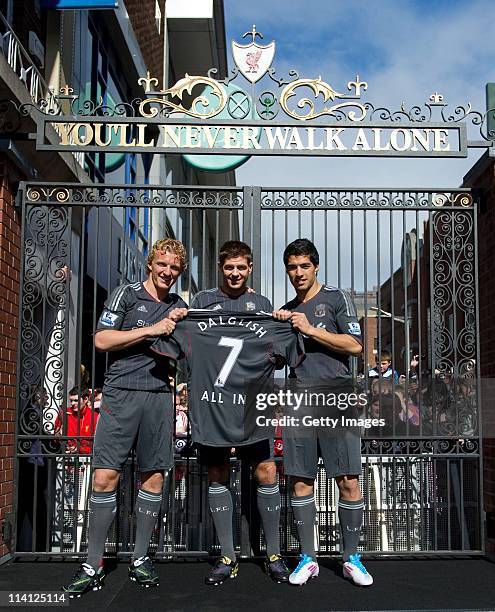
(108, 318)
(320, 310)
(250, 306)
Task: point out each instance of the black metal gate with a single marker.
(408, 258)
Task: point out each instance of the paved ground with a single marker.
(418, 584)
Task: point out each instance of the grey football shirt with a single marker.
(216, 299)
(137, 367)
(331, 309)
(231, 356)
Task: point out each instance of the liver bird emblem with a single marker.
(252, 60)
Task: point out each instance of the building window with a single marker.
(144, 229)
(137, 225)
(131, 212)
(106, 85)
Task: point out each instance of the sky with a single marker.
(405, 50)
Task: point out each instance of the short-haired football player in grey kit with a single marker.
(326, 316)
(235, 265)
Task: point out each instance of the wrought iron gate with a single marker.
(408, 258)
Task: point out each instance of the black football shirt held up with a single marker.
(231, 357)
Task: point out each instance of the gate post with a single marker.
(251, 233)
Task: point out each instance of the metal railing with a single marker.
(421, 478)
(21, 63)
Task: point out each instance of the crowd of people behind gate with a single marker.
(79, 419)
(417, 403)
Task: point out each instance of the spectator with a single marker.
(278, 444)
(409, 417)
(181, 418)
(81, 421)
(418, 369)
(393, 410)
(382, 408)
(84, 376)
(96, 399)
(380, 386)
(383, 368)
(182, 393)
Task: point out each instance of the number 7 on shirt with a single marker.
(235, 345)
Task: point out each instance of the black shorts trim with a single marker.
(258, 452)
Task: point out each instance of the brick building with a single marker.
(405, 296)
(369, 329)
(365, 302)
(482, 177)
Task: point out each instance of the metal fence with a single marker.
(408, 259)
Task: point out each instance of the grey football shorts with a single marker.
(340, 451)
(134, 419)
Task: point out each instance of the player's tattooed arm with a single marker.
(107, 340)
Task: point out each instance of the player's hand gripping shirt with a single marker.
(137, 367)
(231, 356)
(331, 309)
